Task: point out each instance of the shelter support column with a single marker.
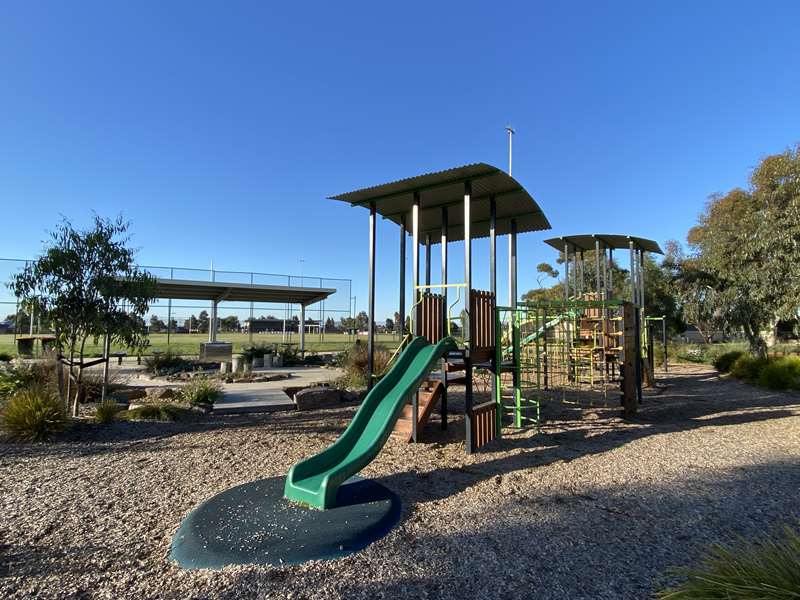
(427, 259)
(493, 289)
(597, 267)
(468, 321)
(401, 326)
(566, 272)
(415, 309)
(303, 330)
(371, 300)
(415, 262)
(445, 322)
(212, 322)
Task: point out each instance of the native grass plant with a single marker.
(765, 570)
(106, 412)
(154, 412)
(201, 392)
(34, 414)
(354, 363)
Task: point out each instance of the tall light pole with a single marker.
(511, 132)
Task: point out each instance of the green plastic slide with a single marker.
(316, 480)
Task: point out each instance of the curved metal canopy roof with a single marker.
(445, 189)
(583, 243)
(220, 291)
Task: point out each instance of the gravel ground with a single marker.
(590, 507)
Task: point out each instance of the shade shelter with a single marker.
(603, 245)
(220, 291)
(462, 203)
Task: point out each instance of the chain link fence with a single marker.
(180, 326)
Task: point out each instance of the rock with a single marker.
(125, 395)
(352, 395)
(317, 397)
(161, 393)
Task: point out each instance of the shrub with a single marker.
(166, 363)
(201, 392)
(748, 367)
(5, 357)
(21, 375)
(724, 362)
(354, 363)
(258, 350)
(769, 569)
(34, 414)
(106, 411)
(781, 374)
(154, 412)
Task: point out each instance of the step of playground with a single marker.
(427, 399)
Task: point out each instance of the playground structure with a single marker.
(581, 348)
(587, 348)
(590, 342)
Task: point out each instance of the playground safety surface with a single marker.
(254, 524)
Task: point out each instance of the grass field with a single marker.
(189, 343)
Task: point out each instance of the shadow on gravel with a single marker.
(689, 402)
(619, 542)
(86, 438)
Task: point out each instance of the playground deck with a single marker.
(591, 507)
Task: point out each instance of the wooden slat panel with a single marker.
(483, 424)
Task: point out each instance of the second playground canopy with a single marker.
(445, 189)
(584, 243)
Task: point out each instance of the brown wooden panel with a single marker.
(483, 424)
(430, 311)
(482, 320)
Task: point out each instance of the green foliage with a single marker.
(257, 350)
(781, 374)
(19, 376)
(743, 270)
(763, 570)
(106, 411)
(201, 391)
(166, 363)
(154, 412)
(86, 285)
(34, 414)
(354, 362)
(5, 357)
(748, 367)
(724, 362)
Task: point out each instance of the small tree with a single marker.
(87, 286)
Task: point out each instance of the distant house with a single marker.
(692, 335)
(7, 326)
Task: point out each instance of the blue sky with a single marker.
(218, 129)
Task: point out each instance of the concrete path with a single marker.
(269, 396)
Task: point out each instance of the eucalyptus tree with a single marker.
(87, 286)
(746, 250)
